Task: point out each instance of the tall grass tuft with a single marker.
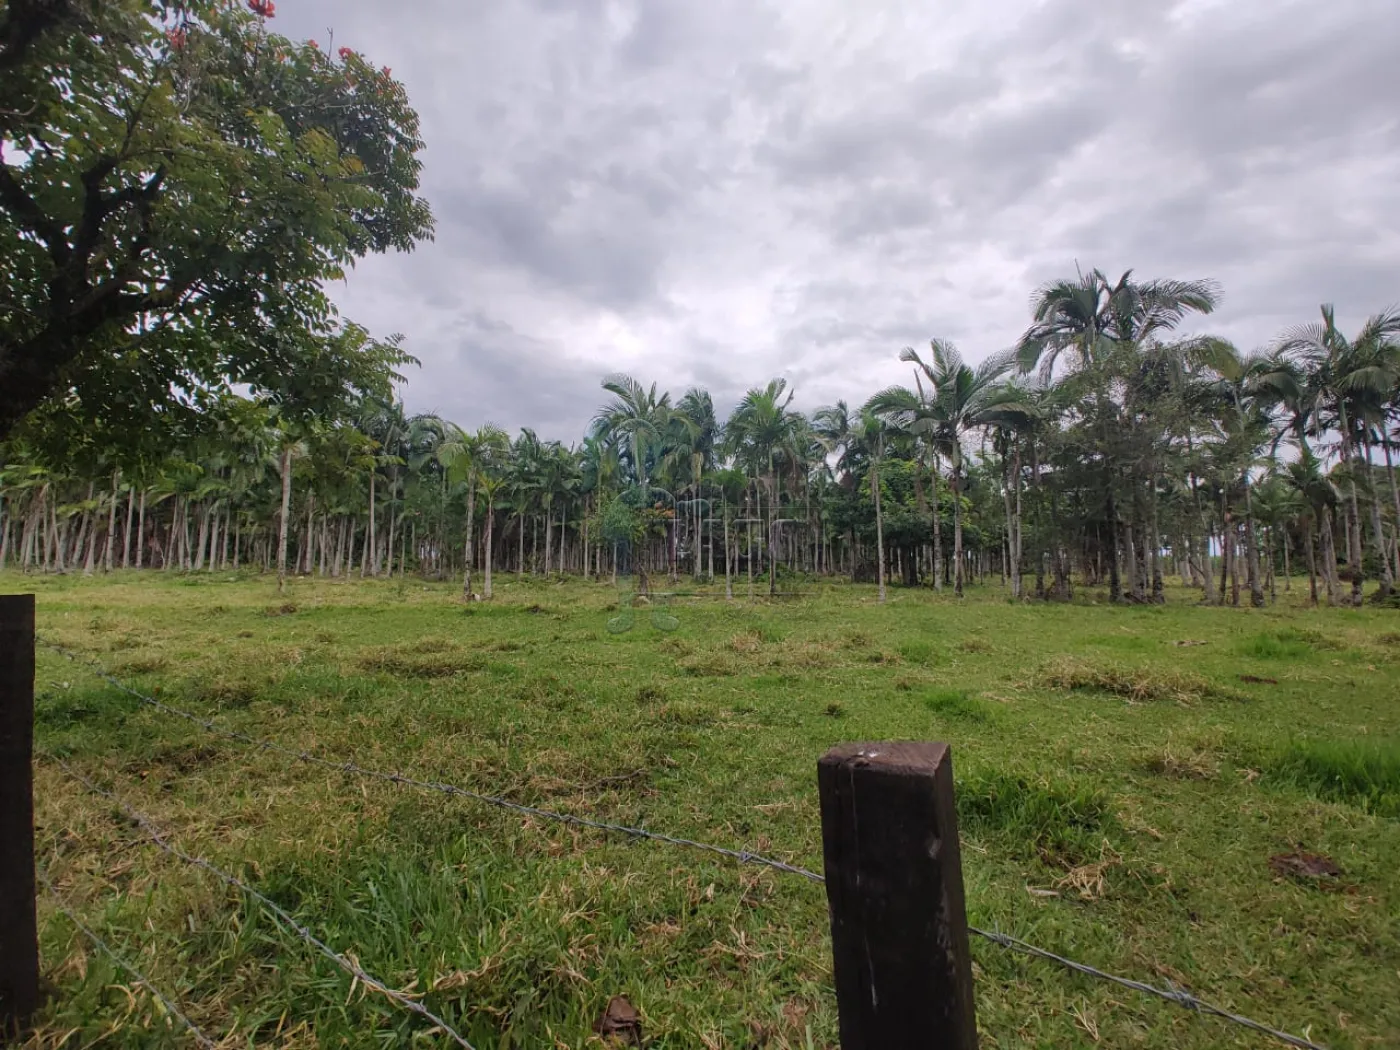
(1364, 773)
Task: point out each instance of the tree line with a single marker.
(1100, 449)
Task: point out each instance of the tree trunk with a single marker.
(110, 555)
(1329, 559)
(202, 538)
(1251, 539)
(548, 535)
(486, 572)
(469, 551)
(1378, 534)
(1394, 497)
(1312, 561)
(879, 529)
(957, 530)
(283, 519)
(141, 530)
(126, 533)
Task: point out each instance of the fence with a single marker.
(902, 963)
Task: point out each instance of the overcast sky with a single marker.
(717, 192)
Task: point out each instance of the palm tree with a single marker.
(467, 455)
(698, 438)
(961, 399)
(871, 431)
(1099, 324)
(760, 427)
(1351, 379)
(490, 485)
(635, 419)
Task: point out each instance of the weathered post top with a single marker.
(899, 941)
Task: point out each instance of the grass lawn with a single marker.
(1125, 777)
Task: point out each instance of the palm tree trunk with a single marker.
(1312, 561)
(126, 533)
(469, 548)
(957, 530)
(110, 554)
(520, 554)
(284, 518)
(141, 530)
(879, 528)
(728, 580)
(201, 537)
(371, 547)
(1251, 539)
(1115, 580)
(1394, 494)
(1378, 532)
(937, 527)
(1012, 568)
(486, 572)
(548, 534)
(1329, 559)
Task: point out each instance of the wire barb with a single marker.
(279, 915)
(1172, 994)
(102, 946)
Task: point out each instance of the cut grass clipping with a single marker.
(1135, 684)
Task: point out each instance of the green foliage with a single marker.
(177, 184)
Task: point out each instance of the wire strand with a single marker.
(1171, 994)
(282, 917)
(140, 978)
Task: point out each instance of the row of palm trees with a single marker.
(1101, 447)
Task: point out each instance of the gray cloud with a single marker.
(725, 192)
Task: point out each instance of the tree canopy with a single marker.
(177, 182)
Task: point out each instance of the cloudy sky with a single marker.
(717, 192)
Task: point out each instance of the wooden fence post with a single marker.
(19, 941)
(894, 885)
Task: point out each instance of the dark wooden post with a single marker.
(19, 941)
(894, 884)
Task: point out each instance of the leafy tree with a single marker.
(176, 184)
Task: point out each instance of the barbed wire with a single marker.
(353, 769)
(102, 946)
(282, 917)
(1170, 994)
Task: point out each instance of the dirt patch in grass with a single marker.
(746, 642)
(709, 665)
(1135, 684)
(1182, 764)
(140, 665)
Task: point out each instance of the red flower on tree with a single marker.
(345, 53)
(177, 37)
(314, 46)
(262, 8)
(386, 71)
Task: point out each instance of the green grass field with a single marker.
(1121, 796)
